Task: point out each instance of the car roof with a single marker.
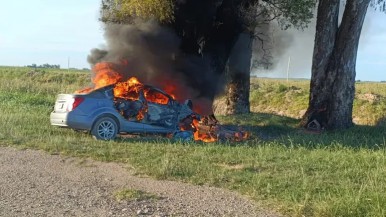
(111, 86)
(157, 89)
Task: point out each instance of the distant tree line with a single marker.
(45, 66)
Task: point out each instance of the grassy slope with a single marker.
(332, 174)
(291, 99)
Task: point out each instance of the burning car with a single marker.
(130, 107)
(113, 106)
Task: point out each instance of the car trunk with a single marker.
(67, 102)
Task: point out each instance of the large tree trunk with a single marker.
(332, 85)
(209, 30)
(238, 76)
(223, 37)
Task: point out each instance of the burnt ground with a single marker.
(34, 183)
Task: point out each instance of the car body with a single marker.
(105, 115)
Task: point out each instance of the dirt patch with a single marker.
(34, 183)
(371, 98)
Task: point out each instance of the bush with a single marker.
(282, 88)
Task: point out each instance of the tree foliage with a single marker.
(46, 66)
(292, 13)
(209, 29)
(124, 11)
(249, 13)
(198, 21)
(378, 5)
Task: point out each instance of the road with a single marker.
(35, 183)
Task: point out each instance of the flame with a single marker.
(206, 136)
(171, 89)
(212, 132)
(128, 89)
(105, 75)
(156, 97)
(141, 113)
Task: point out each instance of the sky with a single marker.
(64, 32)
(49, 31)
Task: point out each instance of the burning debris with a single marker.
(208, 129)
(137, 102)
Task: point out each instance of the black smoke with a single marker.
(152, 53)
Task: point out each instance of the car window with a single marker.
(155, 96)
(124, 91)
(109, 93)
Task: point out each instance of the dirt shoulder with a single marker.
(34, 183)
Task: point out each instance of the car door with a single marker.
(161, 108)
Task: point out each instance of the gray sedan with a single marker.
(105, 116)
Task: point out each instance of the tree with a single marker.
(209, 29)
(227, 23)
(256, 21)
(124, 11)
(332, 86)
(237, 73)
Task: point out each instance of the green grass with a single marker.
(339, 173)
(133, 194)
(291, 99)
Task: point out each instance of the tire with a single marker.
(168, 122)
(105, 128)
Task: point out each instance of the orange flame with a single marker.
(128, 89)
(105, 75)
(170, 89)
(206, 136)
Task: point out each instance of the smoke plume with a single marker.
(151, 53)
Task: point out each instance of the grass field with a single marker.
(286, 169)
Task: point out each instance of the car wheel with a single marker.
(105, 128)
(168, 122)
